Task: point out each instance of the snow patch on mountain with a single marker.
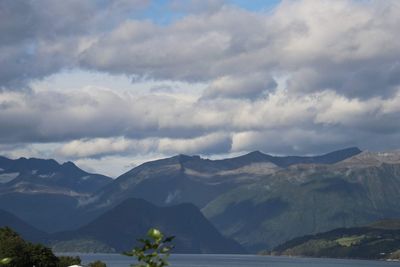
(7, 177)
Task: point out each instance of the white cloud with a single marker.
(208, 144)
(347, 46)
(114, 165)
(351, 47)
(100, 146)
(96, 122)
(252, 86)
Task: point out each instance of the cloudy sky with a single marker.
(109, 84)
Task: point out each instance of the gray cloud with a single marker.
(351, 47)
(174, 124)
(198, 47)
(307, 77)
(42, 37)
(347, 46)
(100, 147)
(252, 86)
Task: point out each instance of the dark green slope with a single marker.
(388, 224)
(120, 227)
(27, 231)
(359, 242)
(306, 199)
(47, 212)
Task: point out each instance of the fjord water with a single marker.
(215, 260)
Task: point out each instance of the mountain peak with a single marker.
(256, 156)
(184, 158)
(69, 165)
(47, 175)
(256, 153)
(72, 169)
(29, 164)
(352, 149)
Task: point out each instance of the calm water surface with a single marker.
(116, 260)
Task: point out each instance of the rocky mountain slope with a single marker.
(196, 180)
(45, 193)
(47, 176)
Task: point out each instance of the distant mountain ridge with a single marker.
(257, 199)
(38, 174)
(286, 161)
(44, 192)
(172, 180)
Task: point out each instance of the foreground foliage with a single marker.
(22, 253)
(97, 264)
(16, 252)
(155, 250)
(65, 261)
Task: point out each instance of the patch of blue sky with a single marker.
(255, 5)
(160, 11)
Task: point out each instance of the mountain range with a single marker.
(196, 180)
(256, 199)
(45, 193)
(308, 199)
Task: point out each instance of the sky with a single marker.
(110, 84)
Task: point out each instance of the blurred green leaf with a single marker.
(154, 252)
(5, 261)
